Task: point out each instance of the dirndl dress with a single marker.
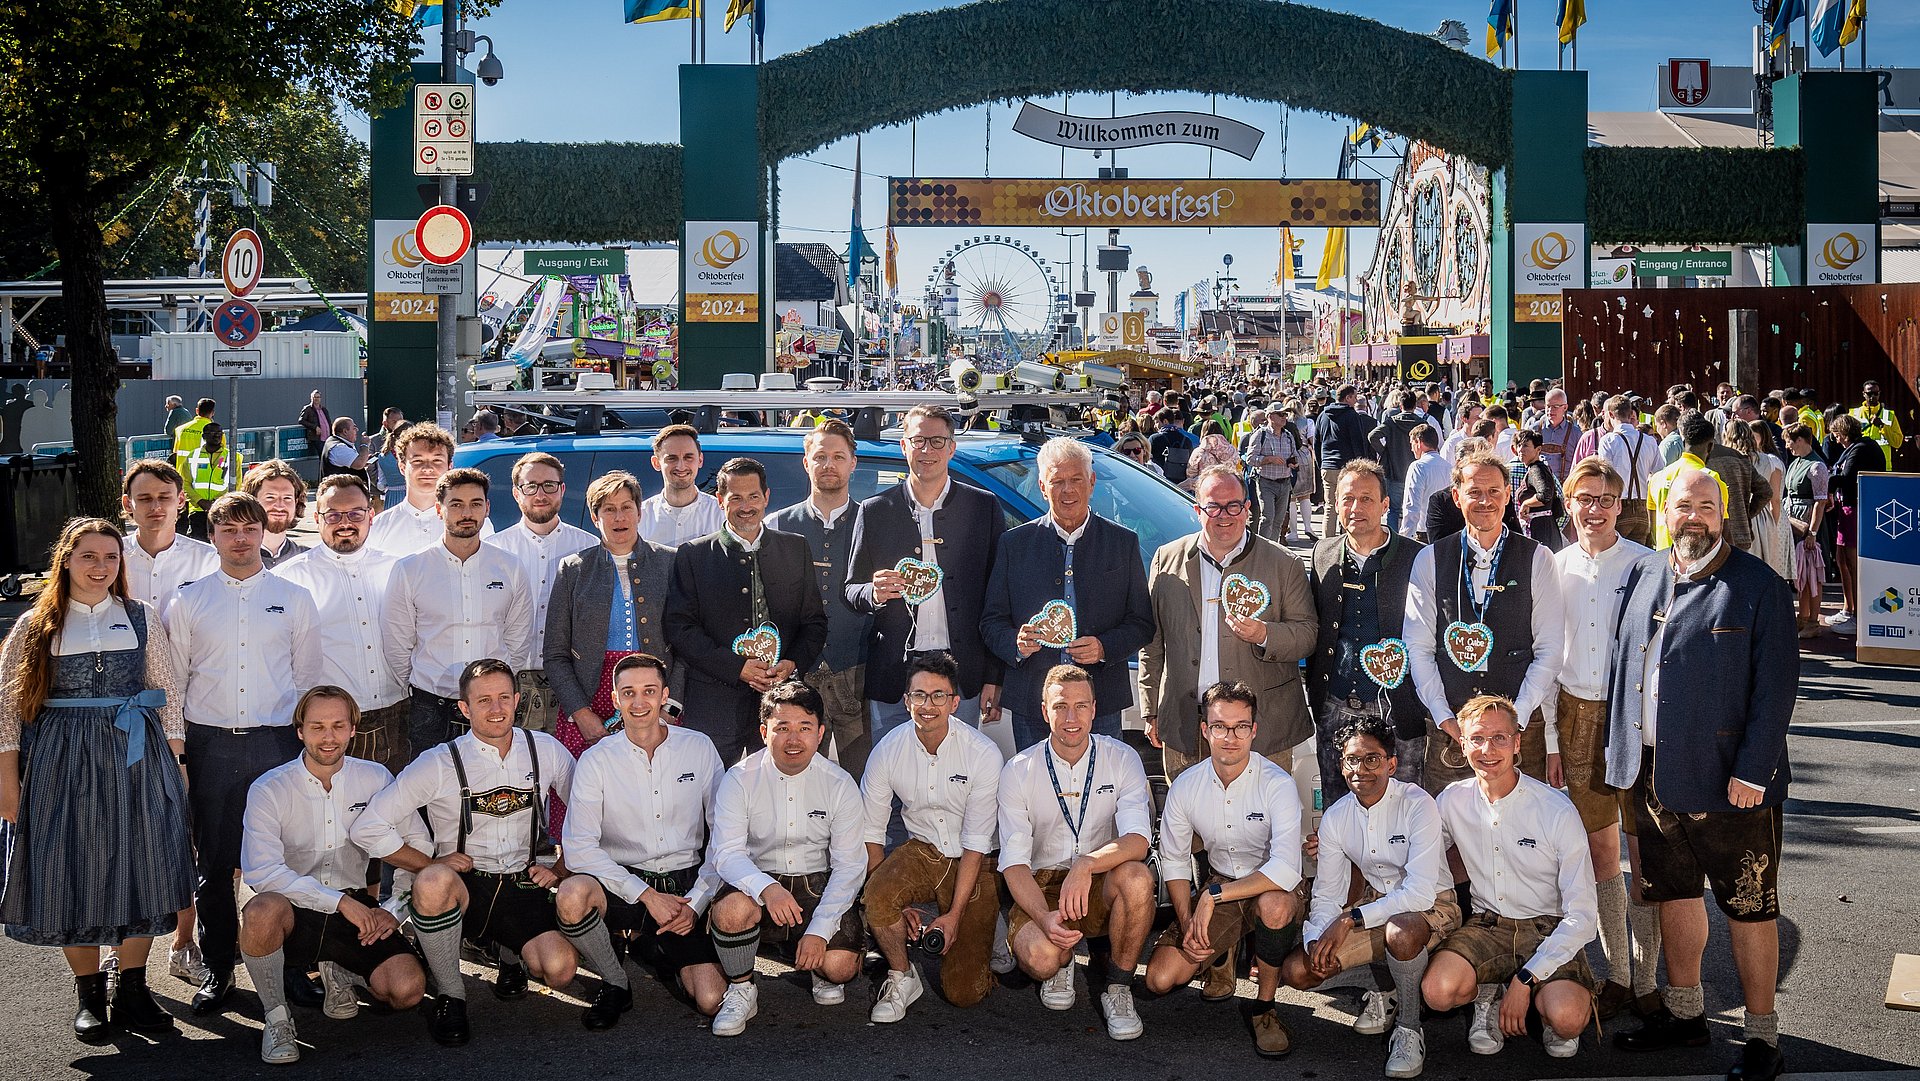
(101, 852)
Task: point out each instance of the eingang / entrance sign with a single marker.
(1053, 202)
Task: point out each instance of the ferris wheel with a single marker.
(998, 294)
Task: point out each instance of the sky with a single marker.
(576, 73)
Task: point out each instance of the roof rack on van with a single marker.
(869, 409)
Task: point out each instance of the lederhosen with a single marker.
(505, 908)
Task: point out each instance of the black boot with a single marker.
(134, 1007)
(90, 1020)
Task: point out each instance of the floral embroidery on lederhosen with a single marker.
(1749, 890)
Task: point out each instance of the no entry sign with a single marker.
(443, 235)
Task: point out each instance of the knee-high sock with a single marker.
(590, 937)
(439, 938)
(269, 979)
(1646, 947)
(1615, 949)
(1407, 976)
(736, 950)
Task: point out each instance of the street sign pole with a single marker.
(446, 327)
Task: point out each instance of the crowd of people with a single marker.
(581, 749)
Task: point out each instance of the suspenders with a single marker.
(537, 806)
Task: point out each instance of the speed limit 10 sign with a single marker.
(241, 262)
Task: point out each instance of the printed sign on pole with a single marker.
(443, 235)
(1889, 627)
(236, 324)
(242, 261)
(442, 129)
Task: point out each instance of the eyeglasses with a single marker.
(1499, 740)
(1136, 452)
(930, 442)
(1363, 761)
(936, 698)
(544, 487)
(1229, 731)
(1588, 502)
(1233, 509)
(335, 517)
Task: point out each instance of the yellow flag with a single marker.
(736, 10)
(1285, 273)
(1856, 17)
(1333, 258)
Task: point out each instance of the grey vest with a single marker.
(1509, 616)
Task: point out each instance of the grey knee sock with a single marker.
(1686, 1003)
(1646, 947)
(736, 950)
(439, 938)
(590, 937)
(269, 979)
(1763, 1026)
(1407, 976)
(1615, 952)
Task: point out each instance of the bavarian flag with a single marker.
(1499, 25)
(659, 11)
(1573, 15)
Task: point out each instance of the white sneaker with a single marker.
(1483, 1035)
(1406, 1052)
(1002, 961)
(1557, 1045)
(1840, 623)
(186, 964)
(1378, 1014)
(341, 1002)
(1057, 992)
(740, 1005)
(828, 993)
(279, 1042)
(1122, 1022)
(902, 989)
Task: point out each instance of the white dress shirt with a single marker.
(444, 611)
(246, 649)
(350, 592)
(675, 526)
(1450, 449)
(1428, 474)
(540, 562)
(1526, 856)
(1548, 624)
(1396, 844)
(1213, 623)
(1250, 825)
(153, 580)
(1591, 589)
(97, 628)
(502, 795)
(949, 799)
(1634, 455)
(1033, 829)
(294, 835)
(766, 823)
(930, 630)
(402, 530)
(651, 811)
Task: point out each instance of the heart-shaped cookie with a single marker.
(1054, 624)
(1385, 662)
(923, 579)
(761, 644)
(1468, 645)
(1242, 596)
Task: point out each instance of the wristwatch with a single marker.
(1527, 978)
(1213, 891)
(1359, 920)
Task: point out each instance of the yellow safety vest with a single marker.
(187, 440)
(209, 477)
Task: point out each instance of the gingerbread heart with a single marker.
(1242, 596)
(1468, 645)
(1054, 624)
(761, 644)
(1385, 662)
(923, 579)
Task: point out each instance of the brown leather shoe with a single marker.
(1648, 1004)
(1270, 1036)
(1221, 984)
(1612, 999)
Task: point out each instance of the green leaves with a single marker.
(580, 192)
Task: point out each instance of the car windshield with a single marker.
(1122, 492)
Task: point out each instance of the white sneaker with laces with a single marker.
(1483, 1035)
(740, 1005)
(1378, 1014)
(341, 1002)
(279, 1041)
(901, 989)
(1406, 1052)
(1057, 992)
(1123, 1023)
(828, 993)
(1557, 1045)
(186, 964)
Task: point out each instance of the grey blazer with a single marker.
(581, 605)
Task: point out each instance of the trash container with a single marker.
(38, 493)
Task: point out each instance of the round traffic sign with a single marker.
(236, 324)
(241, 262)
(444, 235)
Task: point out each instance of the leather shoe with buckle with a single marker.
(1761, 1061)
(607, 1007)
(1664, 1032)
(510, 982)
(213, 992)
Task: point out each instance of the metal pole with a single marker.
(445, 315)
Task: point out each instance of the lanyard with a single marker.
(1481, 599)
(1086, 790)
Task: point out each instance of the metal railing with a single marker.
(254, 445)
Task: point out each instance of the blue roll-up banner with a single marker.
(1889, 539)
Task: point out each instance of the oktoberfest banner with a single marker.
(1052, 202)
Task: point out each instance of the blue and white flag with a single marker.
(1829, 18)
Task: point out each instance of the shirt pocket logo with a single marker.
(1397, 839)
(684, 777)
(496, 585)
(276, 610)
(1103, 789)
(958, 778)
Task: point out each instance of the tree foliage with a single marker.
(1704, 195)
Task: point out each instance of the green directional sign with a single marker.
(590, 261)
(1683, 264)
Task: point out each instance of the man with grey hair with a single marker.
(177, 414)
(1068, 587)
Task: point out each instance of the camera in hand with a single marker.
(932, 940)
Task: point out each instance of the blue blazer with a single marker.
(968, 528)
(1729, 672)
(1110, 603)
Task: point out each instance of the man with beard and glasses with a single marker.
(1706, 668)
(455, 602)
(348, 581)
(539, 541)
(283, 493)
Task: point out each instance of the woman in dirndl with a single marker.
(92, 782)
(607, 602)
